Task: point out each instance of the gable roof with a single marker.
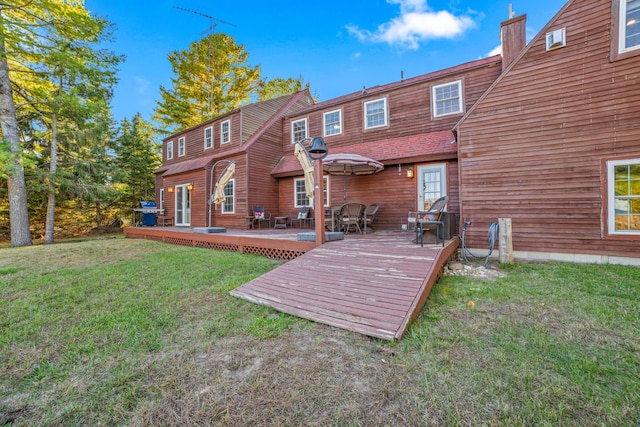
(367, 92)
(404, 149)
(253, 108)
(524, 51)
(203, 162)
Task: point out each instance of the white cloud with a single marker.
(416, 23)
(495, 51)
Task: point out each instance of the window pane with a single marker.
(301, 194)
(299, 130)
(227, 205)
(375, 112)
(447, 99)
(626, 201)
(332, 123)
(631, 24)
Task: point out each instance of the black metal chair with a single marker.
(431, 219)
(303, 216)
(260, 216)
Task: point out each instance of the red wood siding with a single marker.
(534, 148)
(409, 109)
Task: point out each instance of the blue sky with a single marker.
(338, 46)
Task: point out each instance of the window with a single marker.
(624, 196)
(375, 113)
(225, 131)
(298, 130)
(169, 150)
(447, 99)
(228, 204)
(333, 123)
(301, 194)
(181, 146)
(162, 198)
(629, 25)
(208, 137)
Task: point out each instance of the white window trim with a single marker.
(169, 150)
(324, 122)
(460, 99)
(233, 210)
(611, 219)
(222, 138)
(622, 27)
(210, 128)
(161, 204)
(311, 203)
(181, 147)
(386, 113)
(306, 129)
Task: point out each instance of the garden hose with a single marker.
(492, 236)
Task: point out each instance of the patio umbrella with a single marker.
(225, 177)
(307, 168)
(350, 164)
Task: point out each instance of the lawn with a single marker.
(135, 332)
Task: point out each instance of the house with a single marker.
(252, 137)
(406, 125)
(554, 143)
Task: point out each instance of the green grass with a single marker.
(134, 332)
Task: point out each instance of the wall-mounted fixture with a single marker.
(556, 39)
(190, 186)
(170, 190)
(410, 173)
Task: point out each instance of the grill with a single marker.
(149, 211)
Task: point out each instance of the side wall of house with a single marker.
(535, 148)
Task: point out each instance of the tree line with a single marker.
(62, 155)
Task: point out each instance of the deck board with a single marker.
(374, 284)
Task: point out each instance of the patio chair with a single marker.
(259, 217)
(369, 215)
(431, 219)
(302, 217)
(351, 215)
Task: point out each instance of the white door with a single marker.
(432, 184)
(183, 205)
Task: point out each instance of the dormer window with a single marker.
(375, 113)
(181, 147)
(298, 130)
(225, 131)
(169, 150)
(333, 123)
(447, 99)
(208, 137)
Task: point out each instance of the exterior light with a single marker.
(190, 186)
(410, 173)
(318, 149)
(170, 189)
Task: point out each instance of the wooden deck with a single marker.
(375, 285)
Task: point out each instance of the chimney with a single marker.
(513, 36)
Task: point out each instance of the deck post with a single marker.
(505, 251)
(318, 201)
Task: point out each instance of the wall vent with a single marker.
(556, 39)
